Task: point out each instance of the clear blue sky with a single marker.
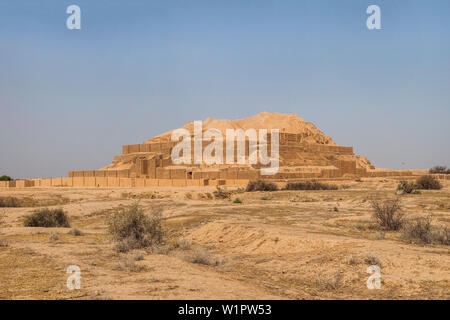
(69, 99)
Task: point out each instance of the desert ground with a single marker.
(272, 245)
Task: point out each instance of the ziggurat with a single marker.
(304, 153)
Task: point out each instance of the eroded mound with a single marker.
(290, 123)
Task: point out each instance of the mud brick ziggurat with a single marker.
(304, 153)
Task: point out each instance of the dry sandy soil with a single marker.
(273, 245)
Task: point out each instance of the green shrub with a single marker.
(310, 185)
(237, 200)
(407, 187)
(5, 178)
(131, 228)
(428, 183)
(388, 214)
(439, 170)
(47, 218)
(261, 185)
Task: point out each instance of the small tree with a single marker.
(5, 178)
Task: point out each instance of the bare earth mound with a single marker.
(284, 122)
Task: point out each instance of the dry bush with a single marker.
(428, 183)
(407, 187)
(76, 232)
(422, 231)
(439, 170)
(388, 214)
(221, 194)
(131, 228)
(47, 218)
(261, 185)
(310, 185)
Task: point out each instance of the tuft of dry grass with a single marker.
(329, 283)
(353, 260)
(200, 256)
(54, 236)
(128, 264)
(372, 259)
(184, 244)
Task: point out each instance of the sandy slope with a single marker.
(283, 245)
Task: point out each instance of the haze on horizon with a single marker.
(69, 99)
